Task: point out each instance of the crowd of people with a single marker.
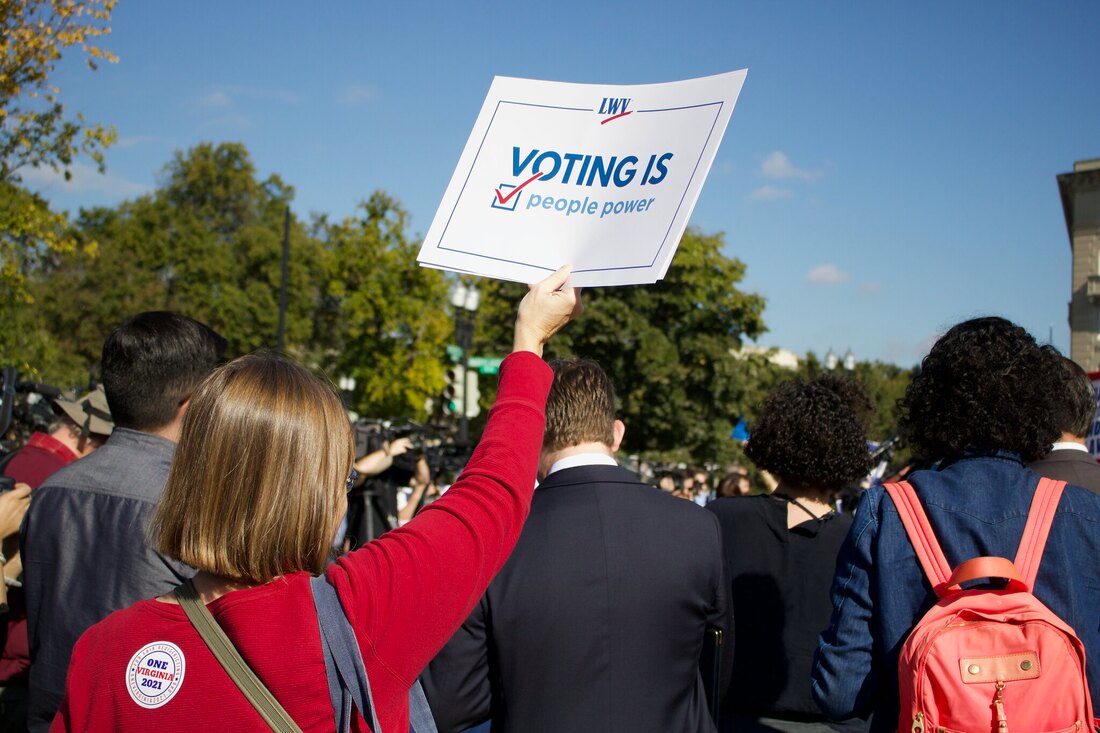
(547, 588)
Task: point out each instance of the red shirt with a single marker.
(405, 594)
(42, 455)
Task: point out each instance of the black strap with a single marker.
(800, 505)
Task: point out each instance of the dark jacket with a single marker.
(977, 506)
(1072, 466)
(85, 553)
(596, 621)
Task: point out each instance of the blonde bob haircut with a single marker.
(257, 485)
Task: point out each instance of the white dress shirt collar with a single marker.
(1069, 445)
(582, 459)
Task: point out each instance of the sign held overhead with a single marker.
(602, 177)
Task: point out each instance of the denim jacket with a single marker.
(977, 506)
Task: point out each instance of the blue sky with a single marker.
(889, 169)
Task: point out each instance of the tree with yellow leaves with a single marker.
(36, 131)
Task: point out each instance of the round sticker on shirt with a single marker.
(155, 674)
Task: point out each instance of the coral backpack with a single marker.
(990, 661)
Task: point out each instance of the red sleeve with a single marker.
(407, 592)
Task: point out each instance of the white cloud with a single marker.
(777, 165)
(827, 275)
(228, 96)
(216, 99)
(771, 193)
(85, 179)
(358, 94)
(871, 288)
(135, 140)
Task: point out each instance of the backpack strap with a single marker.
(923, 539)
(1044, 505)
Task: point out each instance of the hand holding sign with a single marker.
(546, 308)
(543, 167)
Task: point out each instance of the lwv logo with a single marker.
(615, 107)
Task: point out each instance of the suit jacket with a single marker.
(1075, 467)
(596, 621)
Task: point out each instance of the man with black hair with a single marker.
(1069, 460)
(596, 622)
(83, 541)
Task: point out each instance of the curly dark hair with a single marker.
(985, 385)
(812, 435)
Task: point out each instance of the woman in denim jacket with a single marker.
(982, 405)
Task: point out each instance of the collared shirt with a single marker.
(1069, 445)
(582, 459)
(86, 554)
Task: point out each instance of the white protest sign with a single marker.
(602, 177)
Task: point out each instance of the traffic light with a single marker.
(454, 390)
(473, 394)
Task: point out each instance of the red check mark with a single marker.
(623, 114)
(504, 199)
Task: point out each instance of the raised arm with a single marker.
(407, 592)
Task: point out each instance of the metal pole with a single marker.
(465, 319)
(283, 276)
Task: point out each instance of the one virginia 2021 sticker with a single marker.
(155, 674)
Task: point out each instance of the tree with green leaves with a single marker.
(670, 349)
(208, 243)
(383, 319)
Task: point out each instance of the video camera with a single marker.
(24, 409)
(438, 444)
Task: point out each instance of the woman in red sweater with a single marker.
(256, 492)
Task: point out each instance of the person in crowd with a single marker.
(701, 485)
(84, 546)
(13, 628)
(373, 505)
(81, 425)
(596, 622)
(983, 405)
(1069, 460)
(734, 483)
(781, 550)
(255, 493)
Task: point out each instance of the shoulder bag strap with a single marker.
(230, 659)
(1044, 505)
(347, 675)
(916, 524)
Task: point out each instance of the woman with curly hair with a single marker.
(981, 408)
(781, 549)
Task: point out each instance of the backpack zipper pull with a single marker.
(918, 723)
(999, 708)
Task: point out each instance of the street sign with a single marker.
(485, 364)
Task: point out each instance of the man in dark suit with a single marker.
(597, 620)
(1070, 460)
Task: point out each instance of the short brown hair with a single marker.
(580, 407)
(259, 473)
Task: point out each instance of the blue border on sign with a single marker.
(664, 242)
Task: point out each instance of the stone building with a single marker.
(1080, 192)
